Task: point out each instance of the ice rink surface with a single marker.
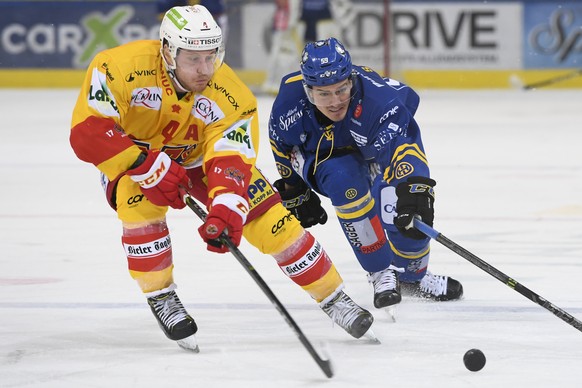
(509, 189)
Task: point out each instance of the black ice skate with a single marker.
(347, 314)
(386, 287)
(435, 287)
(174, 319)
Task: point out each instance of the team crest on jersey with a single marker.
(283, 170)
(235, 175)
(403, 169)
(351, 193)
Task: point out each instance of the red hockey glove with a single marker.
(227, 214)
(159, 177)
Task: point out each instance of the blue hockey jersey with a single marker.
(379, 124)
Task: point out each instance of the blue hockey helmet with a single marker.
(325, 62)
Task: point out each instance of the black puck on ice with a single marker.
(474, 360)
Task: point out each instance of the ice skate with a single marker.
(386, 287)
(343, 311)
(436, 287)
(174, 320)
(386, 290)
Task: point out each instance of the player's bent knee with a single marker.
(273, 231)
(133, 206)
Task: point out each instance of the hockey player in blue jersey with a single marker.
(345, 132)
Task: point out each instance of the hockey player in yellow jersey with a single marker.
(154, 116)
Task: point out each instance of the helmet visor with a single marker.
(206, 60)
(330, 95)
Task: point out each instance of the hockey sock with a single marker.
(149, 256)
(308, 265)
(414, 263)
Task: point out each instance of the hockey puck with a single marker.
(474, 360)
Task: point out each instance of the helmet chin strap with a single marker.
(177, 84)
(171, 70)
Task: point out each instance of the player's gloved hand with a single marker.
(303, 203)
(415, 199)
(159, 177)
(227, 214)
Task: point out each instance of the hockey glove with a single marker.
(159, 177)
(303, 203)
(227, 214)
(415, 199)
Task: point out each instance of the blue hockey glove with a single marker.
(303, 203)
(415, 199)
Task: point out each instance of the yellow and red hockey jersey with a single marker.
(128, 104)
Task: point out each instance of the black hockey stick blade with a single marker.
(503, 278)
(553, 80)
(324, 365)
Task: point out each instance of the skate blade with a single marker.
(189, 344)
(370, 336)
(391, 311)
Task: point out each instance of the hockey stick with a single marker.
(553, 80)
(503, 278)
(325, 365)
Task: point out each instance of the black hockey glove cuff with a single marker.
(303, 203)
(415, 199)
